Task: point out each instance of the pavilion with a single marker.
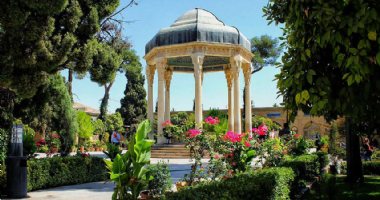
(198, 42)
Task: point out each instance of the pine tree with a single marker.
(133, 105)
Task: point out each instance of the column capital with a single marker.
(247, 71)
(236, 63)
(168, 77)
(150, 70)
(229, 76)
(197, 59)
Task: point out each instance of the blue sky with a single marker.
(149, 16)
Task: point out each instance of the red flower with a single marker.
(247, 144)
(167, 123)
(263, 129)
(212, 121)
(233, 137)
(193, 133)
(296, 136)
(41, 142)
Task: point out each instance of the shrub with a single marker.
(112, 151)
(371, 167)
(271, 183)
(58, 171)
(305, 166)
(323, 160)
(3, 179)
(161, 181)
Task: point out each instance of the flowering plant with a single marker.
(211, 120)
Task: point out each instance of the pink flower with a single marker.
(247, 144)
(233, 164)
(193, 133)
(216, 156)
(167, 123)
(233, 137)
(263, 129)
(212, 121)
(255, 130)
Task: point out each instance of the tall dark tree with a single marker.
(266, 51)
(51, 109)
(133, 105)
(332, 64)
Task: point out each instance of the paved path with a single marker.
(104, 190)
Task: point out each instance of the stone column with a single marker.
(150, 70)
(197, 59)
(248, 110)
(236, 62)
(168, 78)
(161, 65)
(229, 78)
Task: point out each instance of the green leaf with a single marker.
(378, 58)
(308, 53)
(362, 44)
(305, 95)
(350, 80)
(309, 77)
(372, 35)
(298, 98)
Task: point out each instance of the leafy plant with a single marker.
(112, 151)
(161, 181)
(29, 146)
(128, 171)
(86, 128)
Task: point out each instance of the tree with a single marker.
(51, 109)
(85, 126)
(133, 105)
(40, 38)
(266, 51)
(114, 122)
(331, 65)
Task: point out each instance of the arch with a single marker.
(310, 130)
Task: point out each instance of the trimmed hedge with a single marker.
(305, 166)
(371, 167)
(58, 171)
(271, 183)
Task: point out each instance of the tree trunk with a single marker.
(104, 104)
(69, 83)
(354, 163)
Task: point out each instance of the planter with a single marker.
(82, 149)
(180, 185)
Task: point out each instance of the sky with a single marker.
(149, 16)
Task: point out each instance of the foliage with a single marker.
(272, 183)
(112, 151)
(29, 146)
(114, 122)
(50, 109)
(161, 181)
(371, 167)
(272, 151)
(58, 37)
(99, 127)
(266, 51)
(129, 171)
(3, 179)
(133, 105)
(4, 137)
(217, 113)
(57, 171)
(305, 166)
(333, 54)
(85, 126)
(297, 145)
(258, 120)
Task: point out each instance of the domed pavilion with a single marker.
(198, 42)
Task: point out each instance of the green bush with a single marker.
(3, 179)
(161, 181)
(271, 183)
(305, 166)
(371, 167)
(58, 171)
(323, 160)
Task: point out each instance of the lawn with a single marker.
(336, 188)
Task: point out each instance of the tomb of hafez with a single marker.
(198, 43)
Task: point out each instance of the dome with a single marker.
(198, 25)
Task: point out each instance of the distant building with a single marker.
(94, 113)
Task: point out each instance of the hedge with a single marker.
(371, 167)
(58, 171)
(305, 166)
(271, 183)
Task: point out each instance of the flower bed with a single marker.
(271, 183)
(58, 171)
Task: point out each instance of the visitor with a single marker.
(285, 130)
(318, 142)
(368, 150)
(115, 138)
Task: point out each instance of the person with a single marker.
(285, 130)
(115, 138)
(368, 150)
(318, 142)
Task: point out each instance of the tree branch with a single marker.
(132, 2)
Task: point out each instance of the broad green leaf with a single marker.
(350, 80)
(305, 95)
(372, 35)
(378, 58)
(298, 98)
(309, 77)
(308, 53)
(114, 176)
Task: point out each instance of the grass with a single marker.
(336, 188)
